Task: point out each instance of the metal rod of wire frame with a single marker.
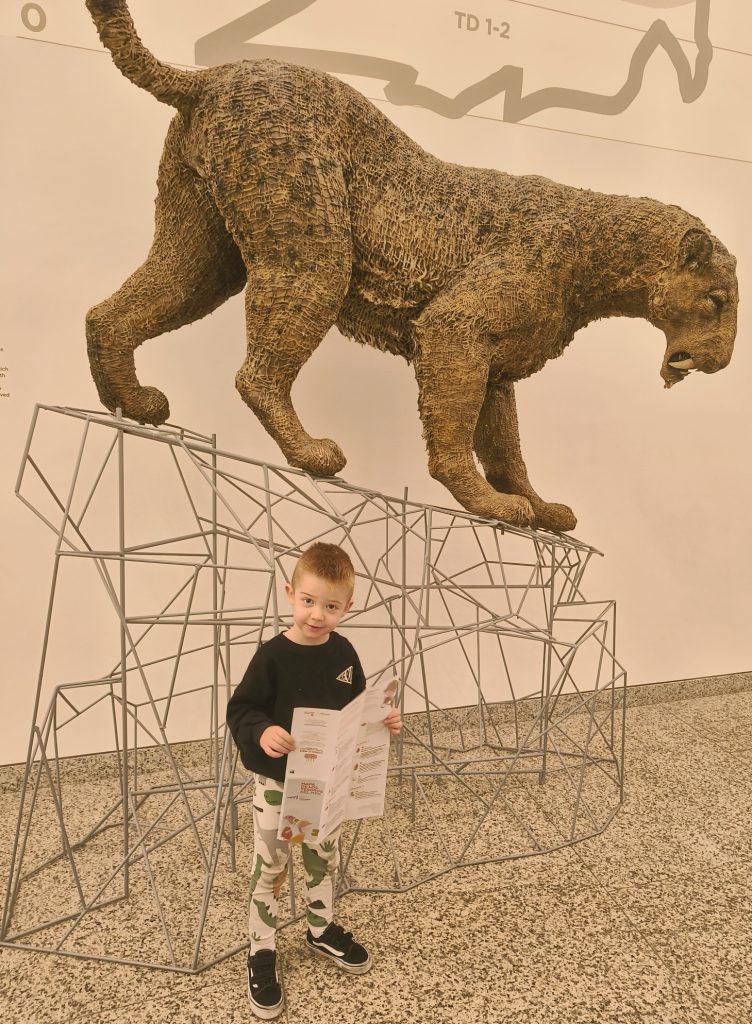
(512, 693)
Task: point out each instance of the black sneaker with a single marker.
(264, 989)
(338, 945)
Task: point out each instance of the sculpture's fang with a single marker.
(681, 361)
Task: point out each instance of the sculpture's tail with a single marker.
(170, 85)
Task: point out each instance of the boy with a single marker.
(309, 665)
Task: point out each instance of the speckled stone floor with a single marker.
(648, 923)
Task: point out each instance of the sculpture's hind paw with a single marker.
(551, 516)
(322, 457)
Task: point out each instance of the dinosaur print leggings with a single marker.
(270, 856)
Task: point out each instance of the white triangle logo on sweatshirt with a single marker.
(346, 676)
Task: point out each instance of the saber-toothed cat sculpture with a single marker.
(284, 180)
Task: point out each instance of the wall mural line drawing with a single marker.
(275, 175)
(232, 42)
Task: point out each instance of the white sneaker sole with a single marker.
(266, 1012)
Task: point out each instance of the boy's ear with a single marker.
(290, 592)
(348, 606)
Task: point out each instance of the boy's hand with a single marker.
(393, 721)
(276, 742)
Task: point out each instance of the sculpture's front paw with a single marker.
(509, 508)
(552, 516)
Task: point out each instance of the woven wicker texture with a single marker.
(288, 180)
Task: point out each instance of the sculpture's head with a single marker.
(694, 303)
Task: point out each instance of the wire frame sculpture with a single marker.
(513, 697)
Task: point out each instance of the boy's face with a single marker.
(317, 607)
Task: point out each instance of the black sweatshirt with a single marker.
(282, 676)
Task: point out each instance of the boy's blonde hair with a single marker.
(327, 561)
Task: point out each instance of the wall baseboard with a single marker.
(194, 753)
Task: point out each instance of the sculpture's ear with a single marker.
(695, 249)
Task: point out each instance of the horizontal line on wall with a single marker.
(588, 17)
(614, 24)
(101, 51)
(601, 138)
(618, 24)
(480, 117)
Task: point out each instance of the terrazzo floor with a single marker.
(648, 923)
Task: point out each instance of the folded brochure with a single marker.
(337, 771)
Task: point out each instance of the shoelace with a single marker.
(263, 972)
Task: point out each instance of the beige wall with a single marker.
(660, 480)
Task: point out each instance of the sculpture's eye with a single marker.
(718, 299)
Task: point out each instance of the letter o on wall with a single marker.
(33, 17)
